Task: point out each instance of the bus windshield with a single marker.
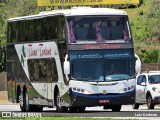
(98, 65)
(98, 29)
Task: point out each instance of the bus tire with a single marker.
(18, 94)
(38, 108)
(73, 109)
(116, 108)
(58, 103)
(135, 106)
(27, 107)
(21, 102)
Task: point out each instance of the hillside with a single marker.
(145, 25)
(144, 22)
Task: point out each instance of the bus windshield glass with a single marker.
(98, 29)
(101, 65)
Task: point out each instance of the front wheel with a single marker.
(135, 106)
(150, 104)
(26, 101)
(59, 106)
(116, 108)
(38, 109)
(81, 109)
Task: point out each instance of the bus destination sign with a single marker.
(99, 46)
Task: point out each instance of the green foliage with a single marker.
(140, 12)
(151, 56)
(9, 9)
(2, 59)
(145, 27)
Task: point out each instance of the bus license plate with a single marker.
(104, 101)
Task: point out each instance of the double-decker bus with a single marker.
(72, 59)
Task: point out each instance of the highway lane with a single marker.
(15, 107)
(126, 112)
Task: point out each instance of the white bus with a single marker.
(71, 59)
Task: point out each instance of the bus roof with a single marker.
(75, 11)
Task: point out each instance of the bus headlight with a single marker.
(80, 90)
(127, 89)
(156, 89)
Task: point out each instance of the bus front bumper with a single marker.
(78, 99)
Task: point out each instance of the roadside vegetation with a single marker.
(144, 22)
(145, 25)
(10, 9)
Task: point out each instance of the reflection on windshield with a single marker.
(99, 28)
(154, 79)
(86, 69)
(117, 77)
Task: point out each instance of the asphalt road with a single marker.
(126, 111)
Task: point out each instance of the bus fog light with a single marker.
(74, 99)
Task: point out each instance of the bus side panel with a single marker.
(15, 73)
(16, 77)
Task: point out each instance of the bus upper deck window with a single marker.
(81, 32)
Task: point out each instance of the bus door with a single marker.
(52, 77)
(42, 75)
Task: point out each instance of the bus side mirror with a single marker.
(66, 66)
(137, 64)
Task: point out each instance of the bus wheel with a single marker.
(81, 109)
(135, 106)
(116, 108)
(26, 101)
(73, 109)
(38, 109)
(21, 102)
(59, 106)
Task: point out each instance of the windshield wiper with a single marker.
(82, 79)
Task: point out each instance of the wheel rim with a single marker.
(21, 99)
(27, 102)
(58, 100)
